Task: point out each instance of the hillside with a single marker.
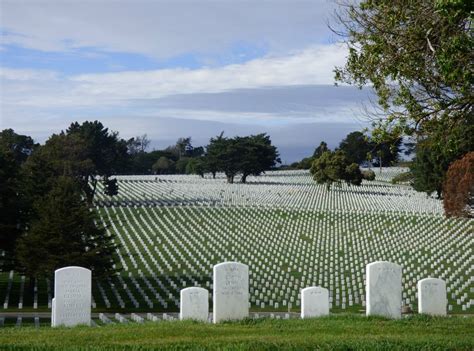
(291, 232)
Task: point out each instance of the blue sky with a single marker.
(177, 68)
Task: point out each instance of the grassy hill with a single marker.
(291, 232)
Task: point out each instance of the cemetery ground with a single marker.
(292, 233)
(337, 332)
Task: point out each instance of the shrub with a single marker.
(368, 175)
(458, 188)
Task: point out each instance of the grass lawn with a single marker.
(347, 332)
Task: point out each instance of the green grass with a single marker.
(346, 332)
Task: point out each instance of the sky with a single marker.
(178, 68)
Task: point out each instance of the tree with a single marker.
(181, 165)
(250, 155)
(458, 187)
(257, 155)
(436, 151)
(14, 205)
(322, 148)
(64, 234)
(107, 154)
(89, 153)
(334, 167)
(356, 146)
(163, 166)
(196, 166)
(416, 55)
(138, 144)
(305, 163)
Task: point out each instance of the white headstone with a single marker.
(432, 296)
(194, 304)
(314, 302)
(384, 289)
(72, 297)
(231, 291)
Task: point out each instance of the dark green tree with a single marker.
(250, 155)
(107, 154)
(437, 151)
(322, 148)
(196, 166)
(181, 165)
(356, 146)
(257, 155)
(14, 204)
(64, 234)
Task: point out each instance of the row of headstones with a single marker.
(72, 295)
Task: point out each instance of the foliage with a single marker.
(368, 175)
(257, 155)
(107, 154)
(89, 153)
(64, 234)
(250, 155)
(436, 151)
(196, 166)
(356, 146)
(405, 177)
(181, 165)
(322, 148)
(305, 163)
(14, 150)
(334, 167)
(417, 55)
(138, 144)
(163, 166)
(458, 188)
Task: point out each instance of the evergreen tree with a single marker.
(65, 233)
(14, 204)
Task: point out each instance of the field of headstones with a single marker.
(291, 232)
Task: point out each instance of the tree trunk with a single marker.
(380, 164)
(244, 178)
(213, 175)
(230, 179)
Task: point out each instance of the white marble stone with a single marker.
(72, 297)
(432, 297)
(231, 291)
(314, 302)
(384, 289)
(194, 304)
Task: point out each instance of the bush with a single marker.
(458, 188)
(368, 175)
(405, 177)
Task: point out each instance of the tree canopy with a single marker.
(64, 233)
(88, 152)
(334, 167)
(14, 206)
(416, 54)
(249, 155)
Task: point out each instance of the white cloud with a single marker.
(46, 89)
(163, 28)
(26, 74)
